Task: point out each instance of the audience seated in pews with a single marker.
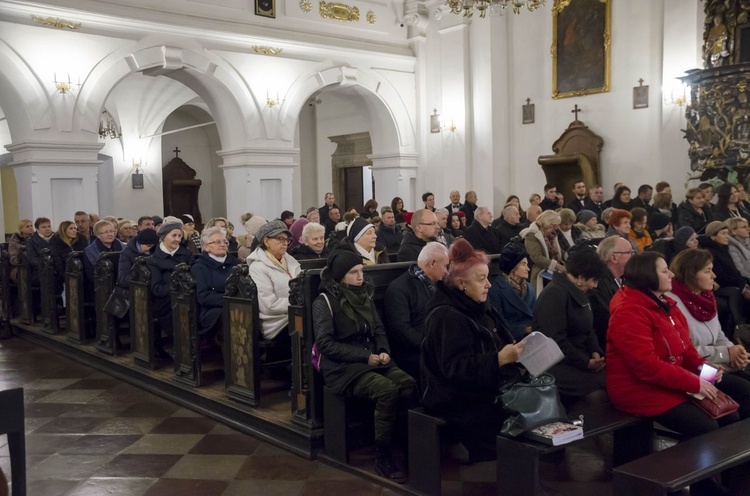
(621, 199)
(104, 241)
(509, 225)
(455, 226)
(17, 243)
(511, 294)
(550, 200)
(389, 233)
(615, 252)
(142, 244)
(480, 234)
(739, 244)
(296, 230)
(588, 226)
(271, 268)
(444, 236)
(166, 256)
(540, 241)
(469, 207)
(210, 272)
(659, 225)
(355, 355)
(690, 212)
(463, 362)
(424, 228)
(567, 233)
(36, 243)
(252, 224)
(63, 242)
(405, 303)
(362, 240)
(192, 239)
(638, 234)
(563, 312)
(313, 243)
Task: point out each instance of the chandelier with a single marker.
(108, 126)
(495, 7)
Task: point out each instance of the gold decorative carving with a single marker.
(267, 50)
(339, 11)
(56, 23)
(371, 17)
(305, 6)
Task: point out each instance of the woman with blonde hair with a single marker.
(541, 243)
(17, 243)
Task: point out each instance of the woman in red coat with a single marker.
(651, 362)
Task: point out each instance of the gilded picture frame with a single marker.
(265, 8)
(581, 41)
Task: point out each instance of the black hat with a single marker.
(512, 255)
(357, 228)
(147, 237)
(157, 220)
(187, 219)
(341, 261)
(681, 236)
(658, 220)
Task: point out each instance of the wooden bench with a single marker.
(12, 424)
(6, 294)
(142, 324)
(348, 424)
(518, 458)
(75, 313)
(50, 314)
(187, 352)
(25, 289)
(107, 325)
(686, 463)
(425, 451)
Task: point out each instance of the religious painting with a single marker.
(640, 96)
(527, 116)
(265, 8)
(581, 32)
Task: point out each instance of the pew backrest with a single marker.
(74, 298)
(47, 291)
(141, 318)
(6, 297)
(187, 362)
(105, 278)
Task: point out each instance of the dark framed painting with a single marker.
(640, 97)
(265, 8)
(581, 31)
(742, 43)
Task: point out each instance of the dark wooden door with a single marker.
(353, 194)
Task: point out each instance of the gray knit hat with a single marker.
(168, 225)
(584, 216)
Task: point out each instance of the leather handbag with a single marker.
(532, 402)
(118, 303)
(718, 407)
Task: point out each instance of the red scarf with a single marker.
(702, 306)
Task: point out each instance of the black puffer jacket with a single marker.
(162, 265)
(687, 216)
(459, 368)
(411, 245)
(345, 346)
(727, 274)
(304, 252)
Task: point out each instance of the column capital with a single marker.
(260, 157)
(55, 153)
(394, 160)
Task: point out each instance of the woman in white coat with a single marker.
(271, 268)
(540, 240)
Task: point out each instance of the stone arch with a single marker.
(219, 85)
(21, 93)
(398, 129)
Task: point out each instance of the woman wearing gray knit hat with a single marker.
(166, 256)
(588, 225)
(271, 268)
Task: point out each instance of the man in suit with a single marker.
(455, 204)
(329, 202)
(643, 200)
(480, 233)
(578, 202)
(594, 201)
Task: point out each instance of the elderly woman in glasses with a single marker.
(211, 271)
(271, 268)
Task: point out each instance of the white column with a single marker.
(395, 174)
(259, 180)
(55, 179)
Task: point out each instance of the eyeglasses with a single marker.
(218, 241)
(630, 252)
(428, 224)
(281, 239)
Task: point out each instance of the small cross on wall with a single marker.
(575, 111)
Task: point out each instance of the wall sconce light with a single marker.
(271, 103)
(435, 125)
(66, 86)
(137, 176)
(676, 94)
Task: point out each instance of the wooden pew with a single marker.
(187, 352)
(141, 317)
(50, 314)
(6, 293)
(75, 315)
(25, 291)
(665, 472)
(105, 278)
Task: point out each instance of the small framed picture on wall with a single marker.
(265, 8)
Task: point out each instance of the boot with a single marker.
(385, 466)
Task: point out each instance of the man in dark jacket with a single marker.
(550, 200)
(36, 243)
(406, 300)
(595, 202)
(643, 200)
(691, 212)
(614, 251)
(578, 202)
(469, 206)
(509, 225)
(210, 272)
(424, 228)
(389, 233)
(481, 235)
(140, 245)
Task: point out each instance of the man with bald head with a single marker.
(480, 233)
(509, 225)
(615, 251)
(532, 213)
(424, 228)
(455, 204)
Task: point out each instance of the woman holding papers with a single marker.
(468, 353)
(563, 313)
(651, 362)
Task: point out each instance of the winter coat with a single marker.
(587, 232)
(127, 259)
(651, 362)
(390, 237)
(210, 279)
(641, 242)
(459, 364)
(707, 337)
(34, 246)
(162, 264)
(483, 238)
(740, 254)
(565, 245)
(536, 247)
(405, 304)
(60, 250)
(722, 214)
(91, 255)
(273, 290)
(600, 297)
(563, 313)
(15, 245)
(597, 208)
(411, 245)
(304, 252)
(345, 345)
(517, 311)
(726, 272)
(506, 231)
(687, 216)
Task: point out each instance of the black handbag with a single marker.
(532, 402)
(118, 303)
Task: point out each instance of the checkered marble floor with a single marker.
(88, 434)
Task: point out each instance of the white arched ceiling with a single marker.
(384, 104)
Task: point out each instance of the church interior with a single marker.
(269, 105)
